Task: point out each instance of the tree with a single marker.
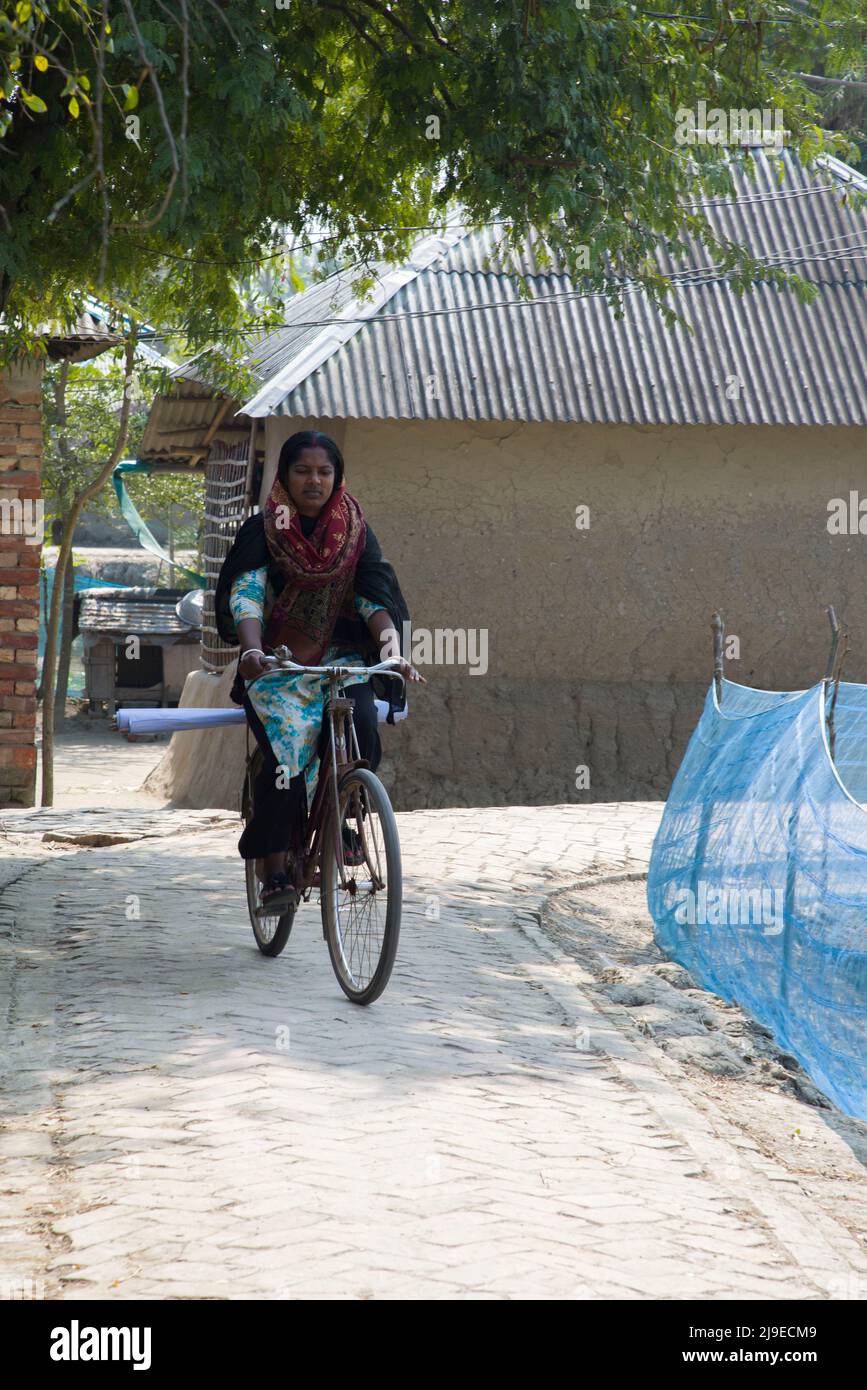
(157, 152)
(81, 404)
(81, 410)
(159, 155)
(81, 496)
(81, 414)
(838, 75)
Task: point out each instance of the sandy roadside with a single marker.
(730, 1064)
(94, 766)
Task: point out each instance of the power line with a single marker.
(678, 279)
(826, 241)
(714, 21)
(740, 199)
(850, 82)
(733, 200)
(314, 241)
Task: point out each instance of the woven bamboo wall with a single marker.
(225, 509)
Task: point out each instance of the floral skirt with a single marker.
(290, 707)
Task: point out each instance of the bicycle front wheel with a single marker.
(361, 914)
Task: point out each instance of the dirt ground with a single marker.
(95, 766)
(708, 1164)
(734, 1067)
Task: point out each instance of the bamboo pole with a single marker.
(829, 676)
(718, 627)
(251, 468)
(835, 638)
(832, 731)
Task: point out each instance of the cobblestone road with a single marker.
(185, 1118)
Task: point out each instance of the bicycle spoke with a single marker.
(370, 844)
(361, 912)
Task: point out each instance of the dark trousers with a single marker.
(280, 812)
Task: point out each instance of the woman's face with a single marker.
(310, 480)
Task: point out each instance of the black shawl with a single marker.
(374, 580)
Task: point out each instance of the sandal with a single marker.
(277, 886)
(353, 853)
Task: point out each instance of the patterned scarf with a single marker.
(317, 570)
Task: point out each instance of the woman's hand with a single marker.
(403, 668)
(383, 629)
(252, 664)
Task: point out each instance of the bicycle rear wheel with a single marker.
(270, 929)
(361, 916)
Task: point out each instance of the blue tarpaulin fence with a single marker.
(758, 876)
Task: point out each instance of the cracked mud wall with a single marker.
(599, 646)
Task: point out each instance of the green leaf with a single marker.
(74, 108)
(577, 112)
(33, 103)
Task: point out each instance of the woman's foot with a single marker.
(353, 854)
(276, 886)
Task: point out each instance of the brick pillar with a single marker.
(20, 467)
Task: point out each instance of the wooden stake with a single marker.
(718, 626)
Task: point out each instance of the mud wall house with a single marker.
(20, 491)
(586, 490)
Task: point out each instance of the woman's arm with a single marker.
(383, 631)
(247, 604)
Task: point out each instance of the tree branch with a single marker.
(356, 24)
(395, 22)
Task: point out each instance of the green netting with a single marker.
(139, 527)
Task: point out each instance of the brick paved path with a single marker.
(188, 1119)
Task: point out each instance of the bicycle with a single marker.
(360, 901)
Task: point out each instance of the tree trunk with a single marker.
(43, 608)
(69, 525)
(65, 654)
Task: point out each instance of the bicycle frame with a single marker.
(336, 761)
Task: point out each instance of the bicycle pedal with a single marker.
(278, 904)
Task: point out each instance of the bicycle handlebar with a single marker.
(382, 668)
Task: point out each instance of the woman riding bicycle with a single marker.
(306, 573)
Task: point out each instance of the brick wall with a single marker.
(20, 465)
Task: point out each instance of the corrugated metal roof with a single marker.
(324, 300)
(270, 353)
(129, 616)
(87, 338)
(308, 345)
(758, 358)
(177, 425)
